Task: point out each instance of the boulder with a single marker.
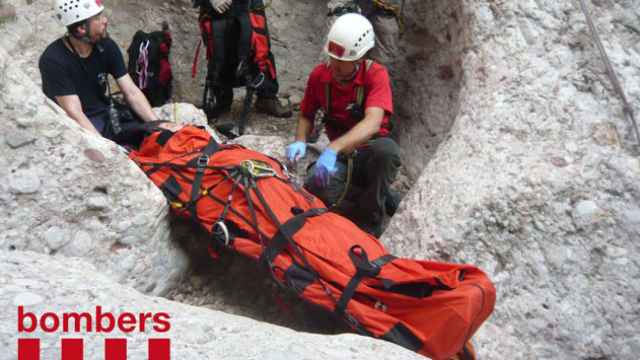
(532, 169)
(66, 192)
(44, 284)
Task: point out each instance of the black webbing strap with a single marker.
(285, 234)
(200, 163)
(164, 137)
(383, 260)
(401, 335)
(364, 268)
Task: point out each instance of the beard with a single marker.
(96, 38)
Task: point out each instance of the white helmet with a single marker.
(350, 37)
(73, 11)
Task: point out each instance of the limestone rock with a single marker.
(72, 193)
(60, 286)
(530, 170)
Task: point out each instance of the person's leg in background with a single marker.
(264, 63)
(375, 169)
(219, 81)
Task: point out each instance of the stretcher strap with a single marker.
(201, 163)
(364, 268)
(286, 232)
(401, 335)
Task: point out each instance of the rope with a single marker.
(347, 184)
(142, 65)
(628, 110)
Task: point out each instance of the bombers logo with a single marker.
(99, 322)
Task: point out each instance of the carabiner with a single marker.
(220, 226)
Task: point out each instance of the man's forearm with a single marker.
(304, 126)
(140, 105)
(359, 134)
(83, 121)
(73, 108)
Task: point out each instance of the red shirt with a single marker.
(377, 93)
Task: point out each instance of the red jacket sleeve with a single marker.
(378, 89)
(311, 101)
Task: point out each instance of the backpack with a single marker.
(149, 65)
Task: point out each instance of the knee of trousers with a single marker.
(385, 150)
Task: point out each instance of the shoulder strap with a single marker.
(360, 89)
(327, 97)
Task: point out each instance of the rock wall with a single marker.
(65, 192)
(428, 77)
(537, 178)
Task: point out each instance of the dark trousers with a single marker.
(132, 127)
(231, 46)
(375, 167)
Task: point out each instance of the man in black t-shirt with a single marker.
(75, 69)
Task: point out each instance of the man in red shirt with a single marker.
(354, 172)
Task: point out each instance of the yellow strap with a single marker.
(263, 7)
(396, 10)
(386, 6)
(360, 89)
(175, 113)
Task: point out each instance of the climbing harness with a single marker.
(142, 64)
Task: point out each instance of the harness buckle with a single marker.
(352, 321)
(202, 162)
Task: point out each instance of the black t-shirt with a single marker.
(65, 73)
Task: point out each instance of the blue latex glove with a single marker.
(325, 167)
(296, 151)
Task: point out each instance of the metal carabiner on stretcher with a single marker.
(257, 168)
(220, 227)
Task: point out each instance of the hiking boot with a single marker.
(391, 202)
(273, 107)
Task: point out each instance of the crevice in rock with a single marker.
(427, 80)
